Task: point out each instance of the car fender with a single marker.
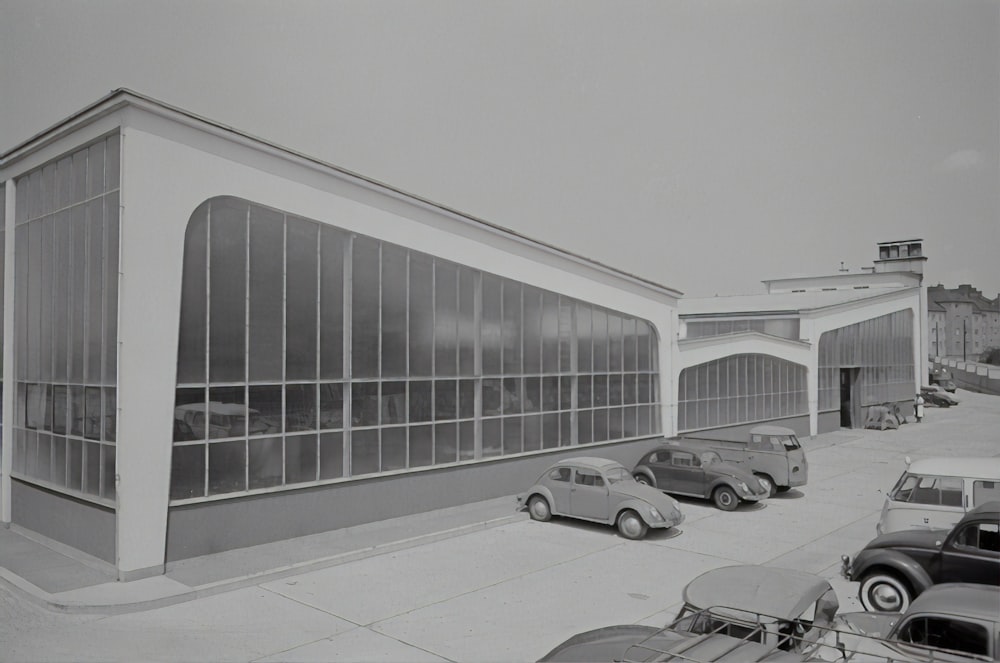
(892, 560)
(639, 506)
(646, 472)
(544, 492)
(725, 481)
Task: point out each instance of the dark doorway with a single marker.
(850, 412)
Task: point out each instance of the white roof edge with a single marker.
(122, 97)
(970, 467)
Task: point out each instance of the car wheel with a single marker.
(631, 525)
(884, 592)
(644, 480)
(768, 482)
(725, 498)
(538, 508)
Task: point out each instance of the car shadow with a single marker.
(701, 502)
(654, 534)
(790, 494)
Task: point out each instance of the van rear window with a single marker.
(985, 491)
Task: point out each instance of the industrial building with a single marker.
(211, 341)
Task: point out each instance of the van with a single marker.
(934, 493)
(772, 453)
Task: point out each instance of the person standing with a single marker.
(918, 407)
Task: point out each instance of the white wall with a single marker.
(168, 170)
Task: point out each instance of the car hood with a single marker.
(666, 505)
(908, 538)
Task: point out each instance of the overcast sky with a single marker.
(705, 145)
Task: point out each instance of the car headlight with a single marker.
(743, 486)
(655, 515)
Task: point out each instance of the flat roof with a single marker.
(787, 303)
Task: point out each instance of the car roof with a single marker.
(960, 599)
(992, 508)
(973, 468)
(590, 462)
(767, 590)
(771, 430)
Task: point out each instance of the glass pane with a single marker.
(615, 343)
(189, 423)
(550, 393)
(512, 443)
(365, 307)
(629, 340)
(512, 403)
(466, 440)
(111, 288)
(491, 437)
(194, 291)
(57, 468)
(532, 330)
(584, 391)
(95, 292)
(467, 321)
(421, 446)
(600, 334)
(532, 394)
(266, 458)
(300, 407)
(511, 327)
(110, 414)
(492, 396)
(94, 414)
(364, 404)
(301, 300)
(267, 241)
(421, 341)
(584, 427)
(265, 409)
(584, 344)
(227, 304)
(600, 425)
(421, 402)
(393, 448)
(394, 270)
(331, 303)
(466, 399)
(43, 451)
(393, 402)
(226, 467)
(364, 452)
(533, 432)
(445, 443)
(300, 458)
(491, 325)
(227, 415)
(331, 455)
(550, 431)
(445, 318)
(187, 472)
(331, 405)
(108, 490)
(445, 400)
(550, 332)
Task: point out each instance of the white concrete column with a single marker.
(10, 393)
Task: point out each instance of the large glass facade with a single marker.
(882, 350)
(781, 327)
(740, 389)
(309, 354)
(66, 312)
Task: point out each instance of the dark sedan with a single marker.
(691, 471)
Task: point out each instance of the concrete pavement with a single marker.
(475, 583)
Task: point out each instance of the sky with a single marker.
(706, 146)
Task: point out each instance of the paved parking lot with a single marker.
(512, 592)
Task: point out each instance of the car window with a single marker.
(755, 442)
(560, 474)
(790, 442)
(944, 491)
(944, 633)
(588, 478)
(985, 491)
(618, 474)
(683, 459)
(984, 536)
(709, 457)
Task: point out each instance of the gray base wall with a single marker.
(827, 422)
(82, 525)
(210, 527)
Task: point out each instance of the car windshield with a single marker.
(790, 442)
(709, 457)
(618, 474)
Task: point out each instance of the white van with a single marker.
(934, 493)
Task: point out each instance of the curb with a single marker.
(38, 596)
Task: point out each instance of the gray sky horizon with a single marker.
(706, 146)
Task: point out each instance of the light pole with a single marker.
(964, 334)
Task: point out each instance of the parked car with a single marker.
(772, 453)
(934, 493)
(948, 622)
(689, 470)
(939, 392)
(894, 568)
(603, 491)
(932, 397)
(733, 613)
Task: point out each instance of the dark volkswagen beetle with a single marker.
(688, 470)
